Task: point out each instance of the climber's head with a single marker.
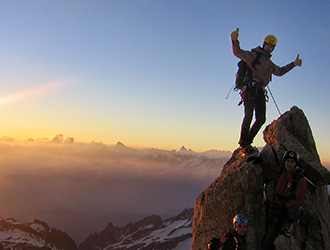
(240, 223)
(290, 159)
(269, 43)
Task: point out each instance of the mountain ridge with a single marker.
(33, 235)
(149, 233)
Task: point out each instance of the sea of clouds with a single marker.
(80, 188)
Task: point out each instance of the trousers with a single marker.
(275, 219)
(254, 101)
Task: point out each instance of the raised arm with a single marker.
(279, 71)
(245, 55)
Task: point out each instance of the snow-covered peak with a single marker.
(149, 233)
(33, 235)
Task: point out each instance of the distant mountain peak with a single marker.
(33, 235)
(120, 144)
(149, 233)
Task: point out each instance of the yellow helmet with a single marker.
(270, 40)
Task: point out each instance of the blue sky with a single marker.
(154, 73)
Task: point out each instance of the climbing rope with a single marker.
(270, 92)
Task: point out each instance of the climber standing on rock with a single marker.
(290, 195)
(254, 94)
(234, 239)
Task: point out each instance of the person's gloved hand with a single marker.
(234, 35)
(254, 159)
(297, 62)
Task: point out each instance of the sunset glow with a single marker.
(30, 93)
(112, 111)
(153, 74)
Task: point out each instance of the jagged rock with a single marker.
(292, 131)
(239, 189)
(285, 243)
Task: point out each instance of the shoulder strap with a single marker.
(236, 241)
(230, 234)
(297, 175)
(256, 61)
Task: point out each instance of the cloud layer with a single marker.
(56, 179)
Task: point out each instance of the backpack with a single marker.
(214, 244)
(244, 74)
(225, 237)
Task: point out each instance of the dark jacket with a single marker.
(233, 241)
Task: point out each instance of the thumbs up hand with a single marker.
(297, 62)
(234, 35)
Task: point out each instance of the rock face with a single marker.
(33, 236)
(240, 189)
(149, 233)
(292, 131)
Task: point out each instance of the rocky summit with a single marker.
(240, 189)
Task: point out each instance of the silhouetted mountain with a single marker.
(150, 233)
(120, 144)
(33, 236)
